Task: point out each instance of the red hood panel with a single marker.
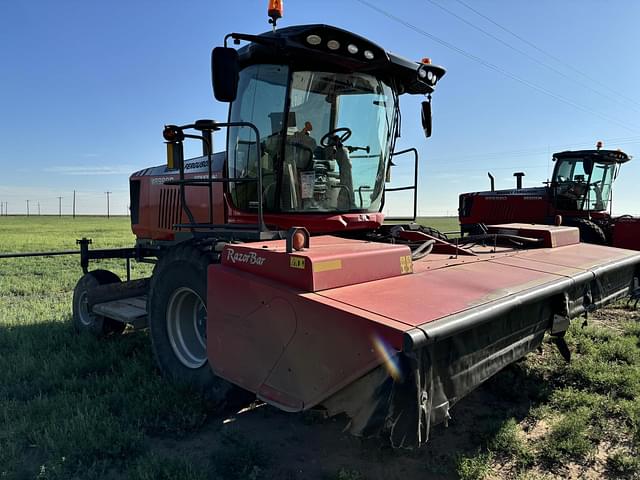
(432, 294)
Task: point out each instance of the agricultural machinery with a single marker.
(579, 194)
(276, 275)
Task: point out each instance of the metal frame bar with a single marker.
(137, 253)
(413, 187)
(182, 183)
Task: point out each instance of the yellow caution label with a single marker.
(297, 262)
(406, 264)
(327, 265)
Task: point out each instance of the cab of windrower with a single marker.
(325, 104)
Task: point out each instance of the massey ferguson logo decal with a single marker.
(251, 258)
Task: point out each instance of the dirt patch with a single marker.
(309, 446)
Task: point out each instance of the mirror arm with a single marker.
(275, 42)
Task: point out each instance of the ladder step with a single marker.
(128, 310)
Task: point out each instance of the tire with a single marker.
(177, 320)
(433, 232)
(83, 319)
(472, 229)
(590, 232)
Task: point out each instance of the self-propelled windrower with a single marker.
(275, 273)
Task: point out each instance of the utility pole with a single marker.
(27, 208)
(38, 208)
(2, 209)
(108, 193)
(59, 206)
(74, 204)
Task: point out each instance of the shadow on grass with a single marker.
(72, 403)
(307, 445)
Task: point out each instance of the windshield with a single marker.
(329, 153)
(579, 189)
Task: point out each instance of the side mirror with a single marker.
(225, 72)
(426, 118)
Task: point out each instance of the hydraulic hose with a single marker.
(423, 250)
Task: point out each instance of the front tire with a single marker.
(177, 311)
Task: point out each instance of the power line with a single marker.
(530, 57)
(544, 52)
(474, 157)
(496, 68)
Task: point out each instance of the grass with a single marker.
(474, 467)
(240, 458)
(590, 405)
(64, 408)
(444, 224)
(76, 407)
(347, 474)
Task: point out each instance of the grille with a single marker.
(169, 211)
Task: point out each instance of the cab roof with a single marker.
(308, 47)
(597, 156)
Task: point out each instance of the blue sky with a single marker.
(87, 87)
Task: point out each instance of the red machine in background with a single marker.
(276, 275)
(580, 192)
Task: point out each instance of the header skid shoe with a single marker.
(359, 328)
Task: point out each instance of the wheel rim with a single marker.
(86, 317)
(186, 327)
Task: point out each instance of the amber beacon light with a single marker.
(275, 11)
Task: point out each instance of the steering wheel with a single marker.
(344, 131)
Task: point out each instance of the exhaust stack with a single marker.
(493, 182)
(518, 176)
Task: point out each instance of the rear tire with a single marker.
(177, 308)
(590, 232)
(83, 319)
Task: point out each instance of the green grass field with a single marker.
(76, 407)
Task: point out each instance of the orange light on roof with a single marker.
(298, 240)
(599, 144)
(426, 61)
(275, 9)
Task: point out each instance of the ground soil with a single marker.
(309, 446)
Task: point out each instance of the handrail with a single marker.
(213, 126)
(413, 187)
